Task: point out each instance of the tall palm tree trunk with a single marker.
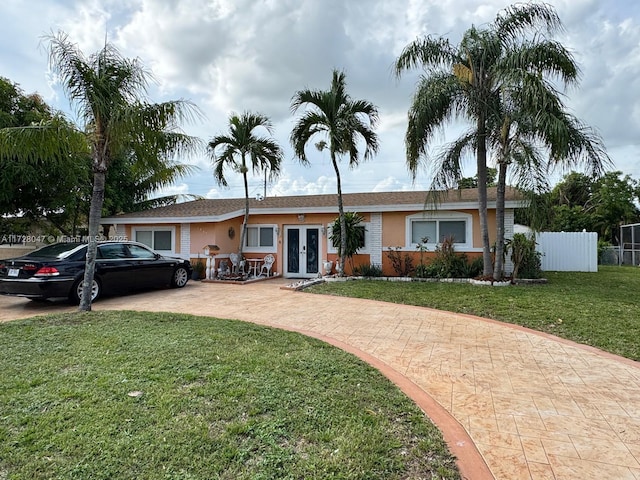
(245, 221)
(95, 213)
(481, 161)
(343, 222)
(498, 270)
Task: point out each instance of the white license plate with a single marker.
(14, 272)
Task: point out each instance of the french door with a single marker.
(302, 251)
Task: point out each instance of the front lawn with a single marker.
(600, 309)
(130, 395)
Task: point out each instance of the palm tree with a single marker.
(342, 123)
(473, 81)
(533, 140)
(109, 92)
(243, 145)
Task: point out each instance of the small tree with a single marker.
(525, 257)
(354, 233)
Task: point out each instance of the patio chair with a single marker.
(237, 265)
(267, 263)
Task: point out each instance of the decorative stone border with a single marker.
(302, 284)
(490, 283)
(239, 280)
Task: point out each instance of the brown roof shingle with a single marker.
(328, 202)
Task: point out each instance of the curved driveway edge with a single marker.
(536, 407)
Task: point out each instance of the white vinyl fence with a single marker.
(568, 251)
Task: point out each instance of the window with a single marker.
(435, 231)
(159, 239)
(453, 228)
(260, 237)
(423, 231)
(438, 227)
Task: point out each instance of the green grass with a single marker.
(220, 400)
(600, 309)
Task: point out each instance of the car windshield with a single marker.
(55, 251)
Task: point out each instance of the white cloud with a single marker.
(302, 185)
(236, 55)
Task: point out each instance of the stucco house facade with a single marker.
(295, 229)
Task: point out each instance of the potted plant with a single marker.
(198, 269)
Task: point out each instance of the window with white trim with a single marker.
(433, 229)
(160, 239)
(261, 238)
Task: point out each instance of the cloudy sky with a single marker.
(236, 55)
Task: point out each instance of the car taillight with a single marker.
(47, 272)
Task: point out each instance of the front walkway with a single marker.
(535, 407)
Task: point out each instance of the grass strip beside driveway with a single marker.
(141, 395)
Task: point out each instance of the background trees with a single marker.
(242, 149)
(38, 187)
(55, 193)
(580, 202)
(341, 123)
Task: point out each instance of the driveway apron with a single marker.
(512, 403)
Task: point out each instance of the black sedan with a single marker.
(57, 270)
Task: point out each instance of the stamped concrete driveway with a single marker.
(512, 403)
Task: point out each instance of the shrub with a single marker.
(525, 257)
(449, 264)
(371, 270)
(603, 252)
(475, 267)
(402, 264)
(429, 270)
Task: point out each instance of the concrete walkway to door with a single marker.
(534, 406)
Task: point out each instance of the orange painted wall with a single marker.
(387, 265)
(393, 234)
(394, 227)
(215, 234)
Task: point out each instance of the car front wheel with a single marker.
(76, 290)
(180, 277)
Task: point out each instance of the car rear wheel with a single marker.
(180, 277)
(76, 290)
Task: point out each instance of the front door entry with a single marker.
(302, 251)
